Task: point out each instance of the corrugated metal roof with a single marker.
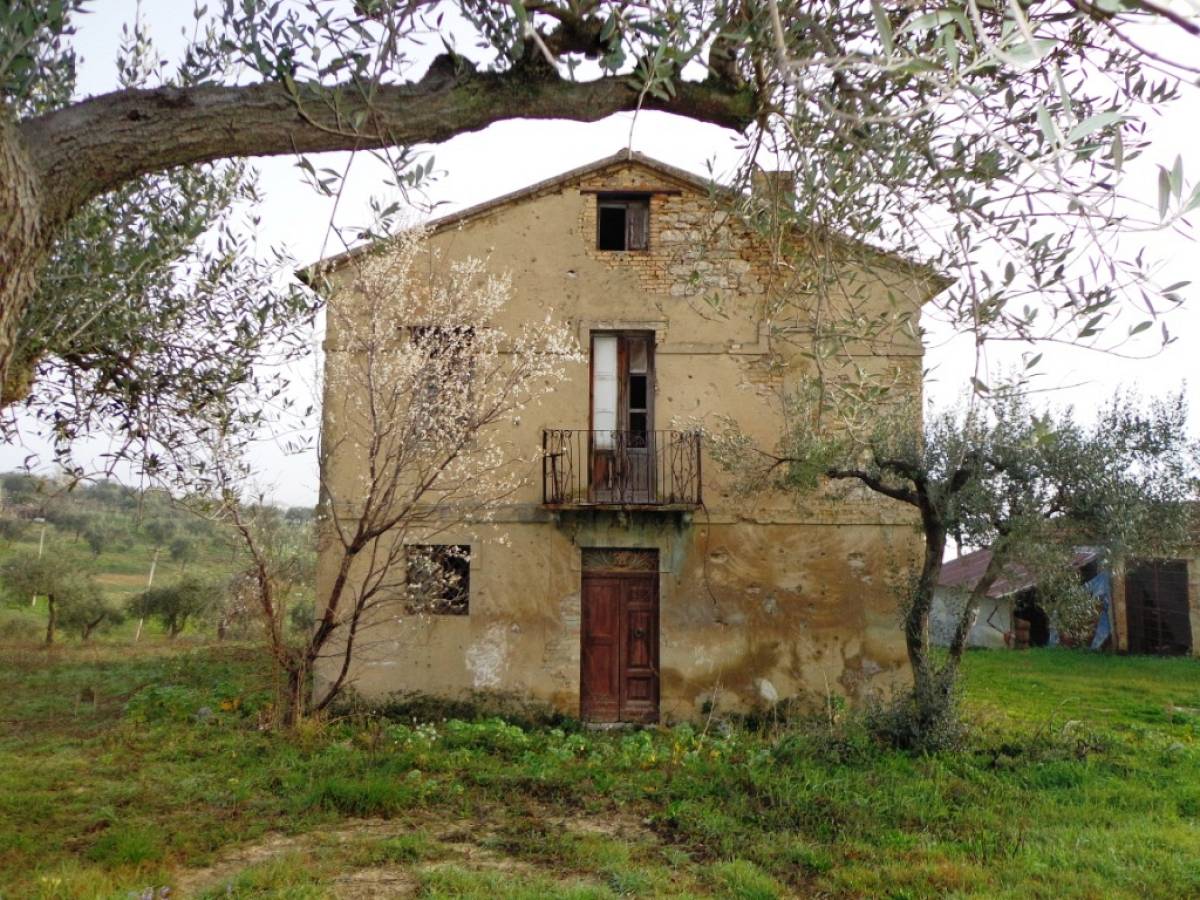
(966, 570)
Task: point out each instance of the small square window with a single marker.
(622, 223)
(438, 579)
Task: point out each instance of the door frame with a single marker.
(653, 579)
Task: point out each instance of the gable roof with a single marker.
(441, 223)
(620, 158)
(965, 572)
(623, 157)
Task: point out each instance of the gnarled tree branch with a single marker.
(88, 148)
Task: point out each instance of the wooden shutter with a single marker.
(637, 225)
(604, 389)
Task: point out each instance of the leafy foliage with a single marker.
(37, 69)
(1031, 486)
(154, 306)
(175, 605)
(74, 598)
(86, 609)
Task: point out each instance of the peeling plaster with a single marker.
(488, 657)
(767, 691)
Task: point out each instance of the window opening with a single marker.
(622, 223)
(438, 579)
(638, 390)
(604, 390)
(447, 366)
(621, 456)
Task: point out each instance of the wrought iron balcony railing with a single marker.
(620, 468)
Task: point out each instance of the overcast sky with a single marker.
(512, 154)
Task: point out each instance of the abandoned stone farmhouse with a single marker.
(634, 583)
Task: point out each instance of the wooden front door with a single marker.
(619, 671)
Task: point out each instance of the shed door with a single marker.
(619, 665)
(1156, 603)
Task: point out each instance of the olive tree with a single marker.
(74, 600)
(87, 610)
(183, 552)
(150, 303)
(1033, 486)
(175, 605)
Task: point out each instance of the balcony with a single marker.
(625, 469)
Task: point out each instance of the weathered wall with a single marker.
(757, 596)
(992, 620)
(748, 612)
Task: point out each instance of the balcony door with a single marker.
(622, 410)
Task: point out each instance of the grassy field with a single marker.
(122, 568)
(125, 772)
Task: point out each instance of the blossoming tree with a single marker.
(420, 383)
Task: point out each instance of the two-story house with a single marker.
(634, 582)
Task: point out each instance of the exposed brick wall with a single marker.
(695, 248)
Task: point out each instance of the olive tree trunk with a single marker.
(52, 621)
(23, 245)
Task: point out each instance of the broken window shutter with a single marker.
(637, 221)
(604, 389)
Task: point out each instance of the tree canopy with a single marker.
(1033, 486)
(151, 304)
(991, 140)
(74, 599)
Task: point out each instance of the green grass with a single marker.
(1081, 779)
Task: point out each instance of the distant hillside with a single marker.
(116, 534)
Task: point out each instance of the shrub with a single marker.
(182, 551)
(302, 617)
(174, 605)
(96, 539)
(905, 723)
(12, 529)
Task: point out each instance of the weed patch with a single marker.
(1078, 780)
(122, 845)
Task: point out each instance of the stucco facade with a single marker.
(758, 598)
(991, 629)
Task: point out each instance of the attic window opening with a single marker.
(622, 222)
